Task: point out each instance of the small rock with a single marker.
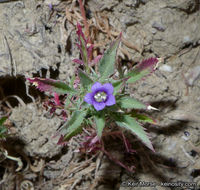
(187, 40)
(166, 68)
(129, 19)
(186, 133)
(159, 26)
(153, 31)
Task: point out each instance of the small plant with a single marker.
(99, 98)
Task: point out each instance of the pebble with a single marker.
(186, 40)
(186, 133)
(166, 68)
(159, 26)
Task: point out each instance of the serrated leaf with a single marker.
(142, 69)
(131, 124)
(107, 62)
(49, 85)
(100, 123)
(128, 102)
(73, 126)
(85, 80)
(143, 118)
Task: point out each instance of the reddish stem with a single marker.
(117, 161)
(84, 19)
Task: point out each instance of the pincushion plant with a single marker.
(98, 98)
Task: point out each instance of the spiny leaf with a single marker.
(49, 85)
(100, 123)
(142, 69)
(128, 102)
(73, 126)
(107, 62)
(131, 124)
(84, 79)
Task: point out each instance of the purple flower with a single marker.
(101, 96)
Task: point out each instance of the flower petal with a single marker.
(110, 101)
(108, 88)
(99, 105)
(89, 98)
(96, 86)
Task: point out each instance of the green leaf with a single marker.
(128, 102)
(85, 80)
(85, 105)
(107, 62)
(142, 69)
(100, 123)
(143, 118)
(49, 85)
(3, 129)
(73, 126)
(131, 124)
(135, 76)
(117, 86)
(84, 50)
(2, 120)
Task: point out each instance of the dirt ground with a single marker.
(37, 38)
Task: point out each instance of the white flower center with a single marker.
(100, 96)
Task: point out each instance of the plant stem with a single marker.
(87, 32)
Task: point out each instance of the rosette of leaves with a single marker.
(80, 113)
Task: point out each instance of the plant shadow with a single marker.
(160, 167)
